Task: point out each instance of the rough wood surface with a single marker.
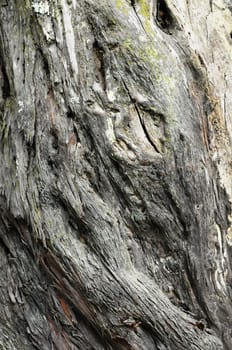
(115, 177)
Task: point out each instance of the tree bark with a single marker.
(115, 177)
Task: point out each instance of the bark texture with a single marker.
(115, 177)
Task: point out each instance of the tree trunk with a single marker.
(115, 178)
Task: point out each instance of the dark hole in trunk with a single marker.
(165, 18)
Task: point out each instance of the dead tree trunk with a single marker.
(115, 177)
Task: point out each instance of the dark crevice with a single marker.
(211, 5)
(95, 330)
(5, 246)
(78, 224)
(24, 63)
(55, 140)
(45, 63)
(140, 118)
(5, 84)
(98, 54)
(145, 130)
(6, 74)
(71, 114)
(5, 229)
(164, 17)
(46, 66)
(76, 133)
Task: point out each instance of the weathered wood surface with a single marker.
(115, 174)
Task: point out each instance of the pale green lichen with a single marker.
(147, 54)
(10, 104)
(27, 4)
(120, 5)
(145, 12)
(127, 44)
(144, 8)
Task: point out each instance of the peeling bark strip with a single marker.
(115, 177)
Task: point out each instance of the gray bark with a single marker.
(115, 177)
